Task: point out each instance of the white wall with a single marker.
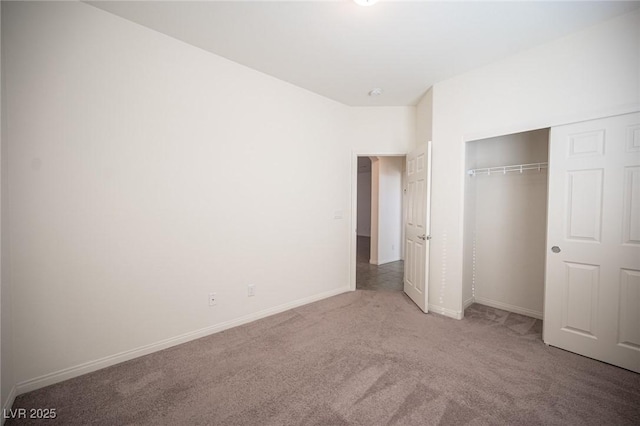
(7, 377)
(381, 130)
(375, 201)
(145, 173)
(505, 218)
(424, 118)
(404, 207)
(364, 201)
(592, 73)
(389, 209)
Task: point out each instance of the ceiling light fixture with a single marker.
(375, 92)
(365, 2)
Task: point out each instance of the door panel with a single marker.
(631, 210)
(586, 144)
(584, 207)
(592, 289)
(630, 309)
(580, 308)
(416, 232)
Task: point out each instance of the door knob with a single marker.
(424, 237)
(555, 249)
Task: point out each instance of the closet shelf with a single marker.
(508, 169)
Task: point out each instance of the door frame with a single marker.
(353, 238)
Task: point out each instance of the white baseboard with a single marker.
(88, 367)
(382, 262)
(508, 307)
(445, 311)
(470, 301)
(8, 403)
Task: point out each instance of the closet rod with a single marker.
(508, 169)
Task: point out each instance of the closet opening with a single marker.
(505, 223)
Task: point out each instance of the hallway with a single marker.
(387, 277)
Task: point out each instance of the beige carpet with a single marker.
(362, 358)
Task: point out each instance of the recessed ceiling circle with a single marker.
(365, 2)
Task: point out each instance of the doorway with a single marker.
(380, 223)
(506, 222)
(505, 225)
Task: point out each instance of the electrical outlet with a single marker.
(251, 290)
(213, 299)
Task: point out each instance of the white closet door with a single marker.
(592, 290)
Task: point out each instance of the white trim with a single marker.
(88, 367)
(382, 262)
(8, 403)
(445, 311)
(470, 301)
(508, 307)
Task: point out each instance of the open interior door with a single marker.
(416, 264)
(592, 289)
